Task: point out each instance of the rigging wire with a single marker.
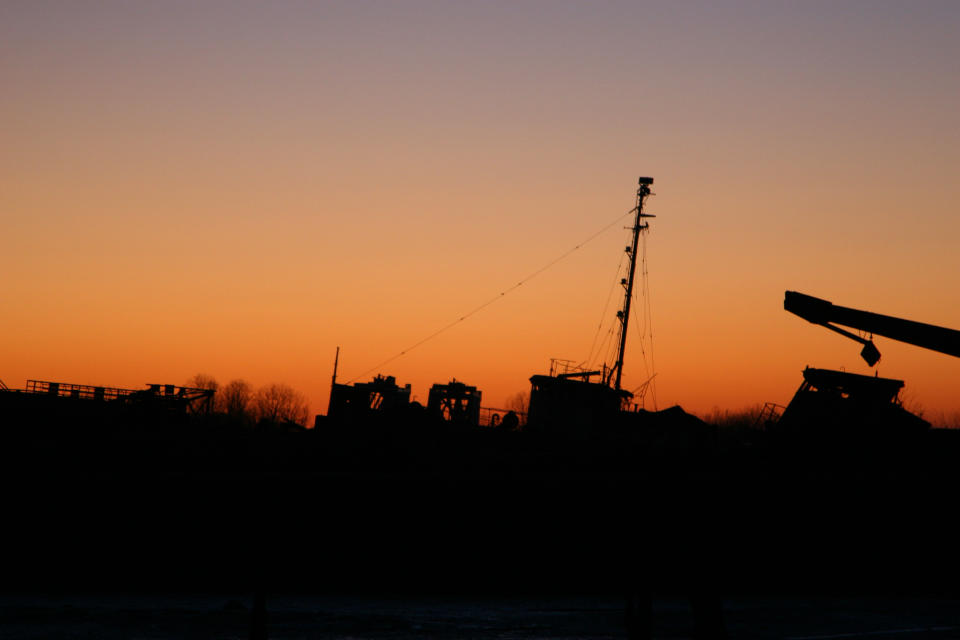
(645, 339)
(616, 279)
(643, 324)
(614, 352)
(486, 304)
(608, 345)
(648, 319)
(642, 336)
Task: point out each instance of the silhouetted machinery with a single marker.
(455, 402)
(382, 398)
(829, 315)
(364, 400)
(829, 399)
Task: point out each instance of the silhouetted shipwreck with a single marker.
(569, 401)
(578, 403)
(838, 403)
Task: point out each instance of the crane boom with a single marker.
(826, 313)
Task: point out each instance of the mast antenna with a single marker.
(643, 192)
(333, 382)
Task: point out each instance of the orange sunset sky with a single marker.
(237, 188)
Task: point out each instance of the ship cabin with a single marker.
(569, 403)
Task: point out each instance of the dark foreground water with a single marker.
(227, 616)
(107, 518)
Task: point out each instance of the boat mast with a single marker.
(643, 190)
(333, 382)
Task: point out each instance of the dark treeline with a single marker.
(275, 403)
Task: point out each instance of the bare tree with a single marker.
(279, 403)
(518, 402)
(208, 382)
(909, 402)
(203, 381)
(235, 399)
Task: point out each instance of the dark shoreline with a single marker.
(400, 508)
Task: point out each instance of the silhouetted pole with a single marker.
(333, 382)
(642, 192)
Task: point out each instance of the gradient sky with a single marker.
(237, 188)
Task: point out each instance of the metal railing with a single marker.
(166, 394)
(769, 415)
(83, 391)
